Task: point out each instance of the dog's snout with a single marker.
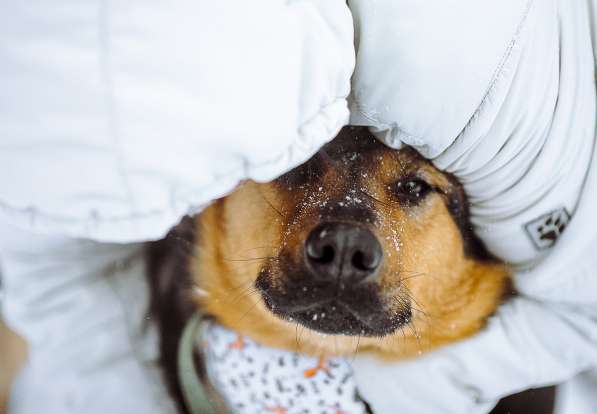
(343, 252)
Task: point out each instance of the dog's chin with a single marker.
(333, 317)
(338, 318)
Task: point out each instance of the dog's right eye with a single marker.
(411, 189)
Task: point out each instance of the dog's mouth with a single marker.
(338, 318)
(350, 313)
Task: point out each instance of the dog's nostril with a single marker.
(365, 262)
(323, 255)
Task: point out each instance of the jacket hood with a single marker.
(502, 95)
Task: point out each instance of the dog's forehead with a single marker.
(354, 158)
(353, 140)
(357, 148)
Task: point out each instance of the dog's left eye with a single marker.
(412, 189)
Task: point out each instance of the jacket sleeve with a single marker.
(528, 344)
(503, 96)
(546, 336)
(117, 118)
(82, 308)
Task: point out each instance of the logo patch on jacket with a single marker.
(544, 231)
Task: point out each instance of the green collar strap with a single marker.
(194, 392)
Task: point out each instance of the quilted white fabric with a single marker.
(117, 118)
(502, 94)
(81, 306)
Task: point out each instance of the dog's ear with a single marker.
(168, 270)
(458, 204)
(170, 284)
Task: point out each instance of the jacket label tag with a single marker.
(545, 230)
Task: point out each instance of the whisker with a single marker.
(271, 205)
(335, 345)
(420, 311)
(410, 272)
(357, 348)
(248, 292)
(260, 247)
(375, 199)
(411, 296)
(403, 279)
(413, 329)
(250, 259)
(252, 307)
(403, 334)
(242, 285)
(416, 274)
(296, 336)
(300, 334)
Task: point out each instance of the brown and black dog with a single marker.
(362, 246)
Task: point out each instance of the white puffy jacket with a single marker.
(120, 117)
(502, 94)
(116, 119)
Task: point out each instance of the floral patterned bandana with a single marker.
(254, 379)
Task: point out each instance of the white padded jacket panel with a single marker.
(117, 118)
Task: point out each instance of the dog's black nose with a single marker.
(343, 252)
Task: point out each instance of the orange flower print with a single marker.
(321, 366)
(276, 409)
(238, 344)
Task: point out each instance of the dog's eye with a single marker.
(412, 189)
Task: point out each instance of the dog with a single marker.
(362, 247)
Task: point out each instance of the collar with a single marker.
(194, 393)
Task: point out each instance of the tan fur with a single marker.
(424, 265)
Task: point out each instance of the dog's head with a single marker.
(362, 245)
